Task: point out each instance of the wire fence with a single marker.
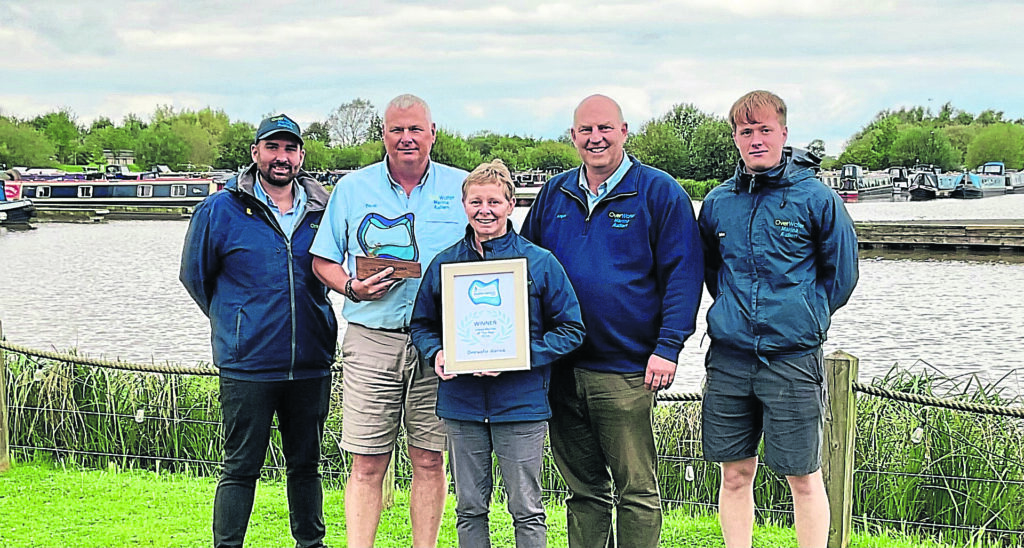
(948, 466)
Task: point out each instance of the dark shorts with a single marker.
(746, 396)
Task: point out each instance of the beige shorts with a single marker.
(384, 386)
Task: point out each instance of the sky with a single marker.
(513, 67)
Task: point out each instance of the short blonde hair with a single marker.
(744, 107)
(491, 173)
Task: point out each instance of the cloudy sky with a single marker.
(513, 67)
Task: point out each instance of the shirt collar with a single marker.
(423, 180)
(298, 194)
(611, 182)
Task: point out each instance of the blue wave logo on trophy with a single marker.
(380, 236)
(485, 293)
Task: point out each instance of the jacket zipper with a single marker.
(268, 217)
(755, 283)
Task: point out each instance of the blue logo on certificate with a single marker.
(485, 293)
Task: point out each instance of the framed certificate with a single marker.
(485, 316)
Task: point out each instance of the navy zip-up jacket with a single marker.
(635, 263)
(781, 256)
(270, 318)
(556, 329)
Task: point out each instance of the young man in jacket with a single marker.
(780, 258)
(406, 207)
(504, 413)
(245, 263)
(627, 237)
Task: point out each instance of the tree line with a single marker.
(686, 142)
(951, 139)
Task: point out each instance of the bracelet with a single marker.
(349, 292)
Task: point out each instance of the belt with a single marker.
(403, 329)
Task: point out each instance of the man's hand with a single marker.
(439, 366)
(374, 287)
(660, 373)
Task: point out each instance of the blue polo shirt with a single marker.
(370, 212)
(286, 220)
(604, 188)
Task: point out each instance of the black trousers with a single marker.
(248, 410)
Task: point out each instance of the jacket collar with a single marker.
(316, 195)
(797, 165)
(500, 244)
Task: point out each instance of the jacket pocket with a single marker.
(818, 332)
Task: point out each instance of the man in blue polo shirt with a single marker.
(406, 207)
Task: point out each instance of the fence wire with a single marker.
(334, 471)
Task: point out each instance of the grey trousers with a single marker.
(519, 447)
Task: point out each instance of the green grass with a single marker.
(44, 505)
(171, 423)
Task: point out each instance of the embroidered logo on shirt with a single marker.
(789, 229)
(621, 220)
(444, 201)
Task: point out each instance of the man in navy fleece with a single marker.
(627, 237)
(246, 264)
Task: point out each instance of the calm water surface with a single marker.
(112, 290)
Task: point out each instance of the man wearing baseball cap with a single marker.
(246, 264)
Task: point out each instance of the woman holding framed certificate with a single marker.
(493, 314)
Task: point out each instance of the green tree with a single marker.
(61, 129)
(452, 149)
(713, 154)
(133, 125)
(687, 144)
(347, 158)
(233, 150)
(371, 152)
(318, 156)
(960, 136)
(658, 145)
(553, 156)
(997, 143)
(921, 145)
(159, 144)
(23, 145)
(107, 138)
(317, 131)
(989, 117)
(861, 151)
(376, 131)
(200, 144)
(100, 123)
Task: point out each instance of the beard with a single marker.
(267, 174)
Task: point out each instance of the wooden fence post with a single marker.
(388, 492)
(839, 435)
(5, 438)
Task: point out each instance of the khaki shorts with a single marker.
(384, 386)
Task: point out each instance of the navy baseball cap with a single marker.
(278, 124)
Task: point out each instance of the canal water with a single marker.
(111, 290)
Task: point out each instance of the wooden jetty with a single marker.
(981, 235)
